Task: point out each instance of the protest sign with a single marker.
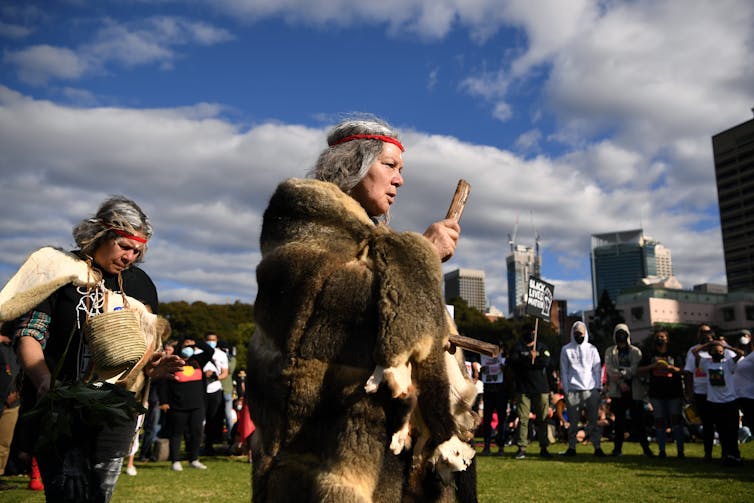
(539, 298)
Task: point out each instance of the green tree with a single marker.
(602, 323)
(233, 323)
(473, 323)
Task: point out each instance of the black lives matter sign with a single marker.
(539, 298)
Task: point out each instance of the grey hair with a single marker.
(116, 212)
(347, 163)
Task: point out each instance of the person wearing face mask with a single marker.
(665, 390)
(184, 401)
(721, 395)
(581, 378)
(744, 342)
(531, 366)
(214, 371)
(625, 390)
(744, 386)
(696, 386)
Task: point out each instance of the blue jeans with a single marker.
(228, 398)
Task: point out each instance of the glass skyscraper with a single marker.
(622, 259)
(468, 284)
(522, 263)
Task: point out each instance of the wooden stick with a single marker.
(460, 197)
(534, 349)
(474, 345)
(459, 200)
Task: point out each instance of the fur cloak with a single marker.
(340, 299)
(48, 269)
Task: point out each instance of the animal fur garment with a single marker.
(48, 269)
(339, 298)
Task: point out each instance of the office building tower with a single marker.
(733, 152)
(522, 263)
(468, 284)
(621, 260)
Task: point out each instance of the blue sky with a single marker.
(574, 117)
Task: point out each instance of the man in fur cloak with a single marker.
(352, 392)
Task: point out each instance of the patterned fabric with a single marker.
(34, 324)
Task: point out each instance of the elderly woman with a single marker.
(351, 330)
(52, 297)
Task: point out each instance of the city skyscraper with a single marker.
(467, 284)
(733, 151)
(522, 263)
(622, 259)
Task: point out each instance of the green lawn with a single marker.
(584, 478)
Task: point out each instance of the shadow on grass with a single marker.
(690, 467)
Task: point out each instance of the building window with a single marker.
(750, 312)
(637, 313)
(728, 314)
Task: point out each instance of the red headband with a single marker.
(127, 235)
(380, 137)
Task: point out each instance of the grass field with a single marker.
(584, 478)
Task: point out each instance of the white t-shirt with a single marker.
(470, 369)
(494, 369)
(700, 378)
(218, 363)
(719, 379)
(743, 379)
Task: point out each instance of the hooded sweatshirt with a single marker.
(580, 368)
(622, 367)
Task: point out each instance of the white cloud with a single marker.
(632, 93)
(502, 111)
(149, 41)
(529, 140)
(432, 78)
(40, 63)
(205, 184)
(9, 30)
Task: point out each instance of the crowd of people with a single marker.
(352, 381)
(203, 407)
(646, 395)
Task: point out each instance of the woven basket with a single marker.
(115, 340)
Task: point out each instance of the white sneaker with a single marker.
(198, 465)
(131, 470)
(177, 466)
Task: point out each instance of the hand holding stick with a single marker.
(459, 200)
(457, 205)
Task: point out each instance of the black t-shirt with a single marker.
(530, 377)
(67, 310)
(664, 383)
(188, 390)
